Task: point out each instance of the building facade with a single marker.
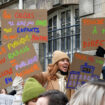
(63, 26)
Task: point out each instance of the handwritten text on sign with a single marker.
(93, 33)
(84, 68)
(17, 23)
(17, 58)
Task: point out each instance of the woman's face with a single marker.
(63, 65)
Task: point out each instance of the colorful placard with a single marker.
(19, 23)
(17, 58)
(84, 68)
(93, 33)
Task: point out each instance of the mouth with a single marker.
(65, 67)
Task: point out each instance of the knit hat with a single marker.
(32, 89)
(58, 55)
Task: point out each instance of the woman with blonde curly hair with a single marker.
(91, 93)
(57, 74)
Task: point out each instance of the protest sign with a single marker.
(6, 99)
(19, 23)
(84, 68)
(17, 58)
(93, 33)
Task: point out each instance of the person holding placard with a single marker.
(57, 74)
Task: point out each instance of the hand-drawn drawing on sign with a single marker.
(17, 58)
(93, 33)
(17, 23)
(84, 68)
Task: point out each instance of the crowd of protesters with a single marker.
(49, 88)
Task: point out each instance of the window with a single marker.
(77, 30)
(65, 32)
(52, 34)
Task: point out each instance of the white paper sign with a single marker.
(6, 99)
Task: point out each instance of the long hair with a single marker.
(53, 69)
(91, 93)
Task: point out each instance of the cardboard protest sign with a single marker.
(84, 68)
(93, 33)
(19, 23)
(17, 58)
(6, 99)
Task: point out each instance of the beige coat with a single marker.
(50, 85)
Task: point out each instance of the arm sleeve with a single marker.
(41, 77)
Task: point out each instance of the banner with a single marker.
(19, 23)
(17, 58)
(93, 33)
(84, 68)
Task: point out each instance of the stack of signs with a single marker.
(93, 33)
(17, 55)
(19, 23)
(17, 58)
(84, 68)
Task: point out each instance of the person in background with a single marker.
(103, 71)
(52, 97)
(100, 52)
(17, 86)
(91, 93)
(57, 74)
(3, 91)
(32, 89)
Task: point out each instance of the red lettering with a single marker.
(24, 15)
(84, 44)
(42, 38)
(6, 72)
(3, 50)
(93, 21)
(93, 43)
(101, 42)
(2, 60)
(81, 57)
